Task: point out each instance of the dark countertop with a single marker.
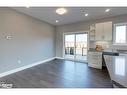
(117, 67)
(109, 51)
(106, 52)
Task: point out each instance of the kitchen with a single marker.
(104, 37)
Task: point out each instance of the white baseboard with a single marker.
(24, 67)
(59, 58)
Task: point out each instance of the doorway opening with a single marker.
(75, 46)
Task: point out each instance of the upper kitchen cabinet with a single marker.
(103, 31)
(108, 31)
(99, 27)
(92, 32)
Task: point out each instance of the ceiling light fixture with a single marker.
(57, 21)
(107, 10)
(61, 11)
(86, 14)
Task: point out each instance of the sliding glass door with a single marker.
(75, 46)
(81, 47)
(69, 46)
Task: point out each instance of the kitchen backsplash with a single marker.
(106, 45)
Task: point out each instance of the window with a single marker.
(120, 34)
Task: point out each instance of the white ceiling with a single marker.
(74, 14)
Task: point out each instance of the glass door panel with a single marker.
(81, 47)
(70, 46)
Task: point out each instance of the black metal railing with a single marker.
(70, 50)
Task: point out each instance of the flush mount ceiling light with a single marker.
(86, 14)
(107, 10)
(61, 11)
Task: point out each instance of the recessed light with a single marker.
(57, 21)
(86, 14)
(61, 11)
(107, 10)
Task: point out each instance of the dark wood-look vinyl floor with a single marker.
(59, 74)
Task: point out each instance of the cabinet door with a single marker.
(99, 31)
(95, 59)
(107, 33)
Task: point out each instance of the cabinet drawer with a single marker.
(95, 57)
(95, 61)
(95, 53)
(99, 66)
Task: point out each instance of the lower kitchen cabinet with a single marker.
(95, 59)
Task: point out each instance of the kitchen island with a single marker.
(117, 68)
(96, 58)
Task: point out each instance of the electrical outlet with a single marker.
(9, 37)
(19, 61)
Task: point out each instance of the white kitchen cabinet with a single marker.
(99, 31)
(92, 32)
(107, 32)
(95, 59)
(103, 31)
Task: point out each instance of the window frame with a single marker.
(114, 34)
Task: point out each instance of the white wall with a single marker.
(84, 26)
(32, 40)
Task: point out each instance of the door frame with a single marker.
(80, 32)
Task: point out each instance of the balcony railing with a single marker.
(70, 51)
